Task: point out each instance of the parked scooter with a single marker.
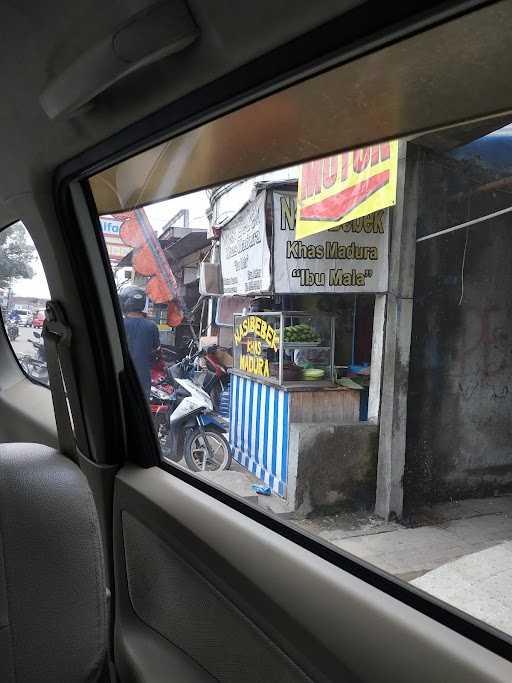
(186, 423)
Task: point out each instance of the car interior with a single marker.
(116, 565)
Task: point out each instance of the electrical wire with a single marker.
(467, 224)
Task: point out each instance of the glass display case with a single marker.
(284, 347)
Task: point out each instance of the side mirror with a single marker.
(37, 335)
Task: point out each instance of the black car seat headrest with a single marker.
(53, 603)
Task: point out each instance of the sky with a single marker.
(37, 286)
(197, 204)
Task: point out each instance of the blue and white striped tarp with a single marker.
(258, 430)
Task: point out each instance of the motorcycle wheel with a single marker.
(196, 451)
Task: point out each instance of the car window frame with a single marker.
(463, 623)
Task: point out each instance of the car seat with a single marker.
(53, 596)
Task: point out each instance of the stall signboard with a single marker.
(252, 335)
(351, 257)
(245, 254)
(346, 186)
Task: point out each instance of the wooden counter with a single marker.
(315, 401)
(302, 385)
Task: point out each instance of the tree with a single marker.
(16, 254)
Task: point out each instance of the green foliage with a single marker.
(16, 254)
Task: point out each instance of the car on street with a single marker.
(38, 319)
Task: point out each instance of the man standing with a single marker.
(141, 333)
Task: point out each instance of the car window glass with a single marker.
(23, 292)
(331, 341)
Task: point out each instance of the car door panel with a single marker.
(183, 589)
(245, 603)
(204, 622)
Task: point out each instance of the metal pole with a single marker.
(210, 300)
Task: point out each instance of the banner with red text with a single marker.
(346, 186)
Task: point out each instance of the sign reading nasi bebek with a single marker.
(251, 337)
(350, 258)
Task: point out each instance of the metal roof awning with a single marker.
(175, 248)
(194, 241)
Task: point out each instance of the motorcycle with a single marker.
(35, 366)
(161, 403)
(186, 423)
(12, 331)
(160, 397)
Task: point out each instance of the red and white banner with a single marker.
(343, 187)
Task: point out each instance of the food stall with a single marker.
(283, 374)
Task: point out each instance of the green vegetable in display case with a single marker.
(313, 373)
(302, 334)
(287, 343)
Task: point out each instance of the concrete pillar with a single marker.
(397, 338)
(379, 322)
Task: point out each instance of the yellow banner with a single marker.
(338, 189)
